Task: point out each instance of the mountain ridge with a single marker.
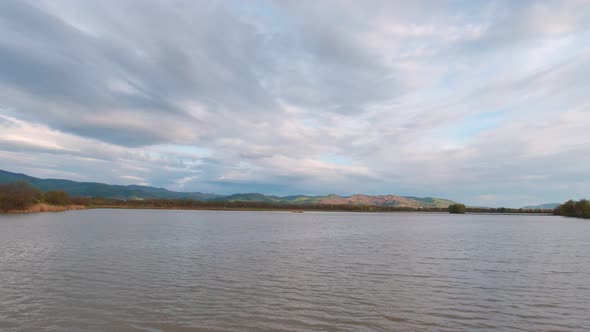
(96, 189)
(545, 206)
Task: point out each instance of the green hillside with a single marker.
(93, 189)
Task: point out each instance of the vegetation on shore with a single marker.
(179, 204)
(44, 207)
(188, 204)
(577, 209)
(20, 196)
(457, 208)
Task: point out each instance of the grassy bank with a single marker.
(43, 207)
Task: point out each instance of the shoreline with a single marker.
(303, 209)
(115, 207)
(43, 207)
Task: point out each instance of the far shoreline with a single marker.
(41, 208)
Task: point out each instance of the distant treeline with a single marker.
(237, 205)
(20, 196)
(506, 210)
(220, 205)
(571, 208)
(245, 205)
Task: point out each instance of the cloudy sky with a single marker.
(486, 102)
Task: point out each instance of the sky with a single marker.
(482, 102)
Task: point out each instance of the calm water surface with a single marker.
(141, 270)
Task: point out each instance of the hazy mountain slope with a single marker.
(249, 197)
(93, 189)
(386, 200)
(546, 206)
(432, 201)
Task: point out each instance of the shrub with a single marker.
(571, 208)
(56, 197)
(457, 208)
(18, 196)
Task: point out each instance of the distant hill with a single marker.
(546, 206)
(250, 197)
(333, 199)
(93, 189)
(434, 202)
(386, 200)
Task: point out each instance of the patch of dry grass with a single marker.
(42, 207)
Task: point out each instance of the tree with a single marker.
(571, 208)
(457, 208)
(56, 197)
(583, 208)
(567, 209)
(18, 196)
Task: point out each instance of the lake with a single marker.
(152, 270)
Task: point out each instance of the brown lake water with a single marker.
(149, 270)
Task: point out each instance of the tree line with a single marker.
(571, 208)
(220, 205)
(21, 195)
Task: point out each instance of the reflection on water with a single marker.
(126, 270)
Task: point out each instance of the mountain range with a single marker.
(94, 189)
